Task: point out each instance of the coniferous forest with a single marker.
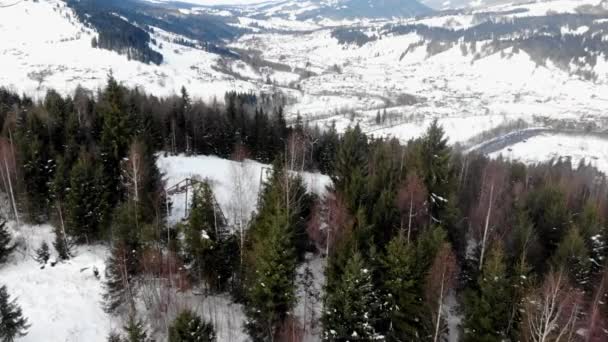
(420, 241)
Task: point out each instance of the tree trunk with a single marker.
(486, 228)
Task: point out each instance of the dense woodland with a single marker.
(412, 234)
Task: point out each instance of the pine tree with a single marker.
(549, 213)
(113, 144)
(118, 287)
(207, 240)
(63, 244)
(189, 327)
(350, 312)
(350, 168)
(572, 255)
(114, 337)
(271, 285)
(328, 144)
(83, 201)
(37, 164)
(12, 322)
(435, 157)
(43, 253)
(135, 330)
(487, 308)
(403, 293)
(6, 247)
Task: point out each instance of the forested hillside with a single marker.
(419, 241)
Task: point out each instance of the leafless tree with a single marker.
(493, 199)
(8, 173)
(552, 311)
(411, 202)
(242, 199)
(596, 318)
(439, 282)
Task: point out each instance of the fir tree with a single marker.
(12, 322)
(114, 337)
(6, 247)
(572, 255)
(487, 308)
(43, 253)
(350, 168)
(328, 145)
(549, 213)
(113, 144)
(435, 157)
(207, 240)
(117, 287)
(350, 312)
(271, 293)
(83, 201)
(403, 293)
(135, 330)
(189, 327)
(63, 244)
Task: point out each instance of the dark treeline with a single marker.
(115, 33)
(413, 235)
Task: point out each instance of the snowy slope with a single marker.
(463, 90)
(62, 303)
(592, 150)
(34, 59)
(222, 173)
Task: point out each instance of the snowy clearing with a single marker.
(223, 176)
(62, 303)
(545, 147)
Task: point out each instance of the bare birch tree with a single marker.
(552, 311)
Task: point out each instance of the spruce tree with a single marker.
(572, 255)
(207, 240)
(43, 253)
(435, 157)
(271, 284)
(350, 168)
(12, 322)
(83, 205)
(189, 327)
(488, 307)
(63, 244)
(6, 247)
(350, 312)
(117, 287)
(114, 337)
(135, 330)
(113, 144)
(402, 292)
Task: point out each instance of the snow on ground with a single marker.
(224, 175)
(468, 93)
(34, 59)
(546, 147)
(62, 303)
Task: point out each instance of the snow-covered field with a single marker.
(62, 303)
(546, 147)
(34, 59)
(226, 178)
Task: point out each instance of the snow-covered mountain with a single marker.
(343, 9)
(476, 69)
